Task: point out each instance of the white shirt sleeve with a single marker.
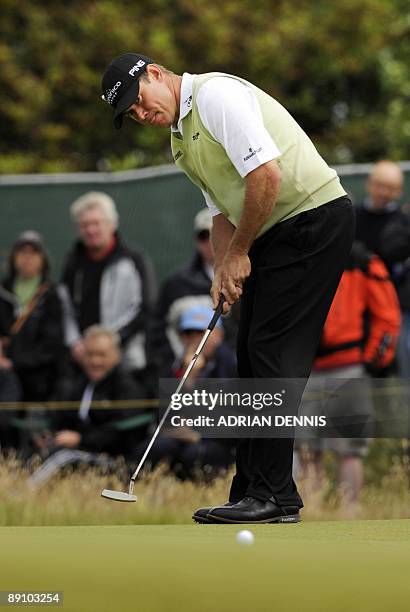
(230, 111)
(213, 209)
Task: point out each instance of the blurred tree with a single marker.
(340, 68)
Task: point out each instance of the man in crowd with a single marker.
(384, 229)
(92, 429)
(282, 228)
(104, 282)
(380, 206)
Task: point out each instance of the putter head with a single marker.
(118, 496)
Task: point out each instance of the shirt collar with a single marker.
(185, 105)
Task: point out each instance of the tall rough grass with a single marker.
(75, 498)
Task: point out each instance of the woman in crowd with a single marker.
(31, 336)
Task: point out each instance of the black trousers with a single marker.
(296, 268)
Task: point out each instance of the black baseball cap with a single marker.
(120, 82)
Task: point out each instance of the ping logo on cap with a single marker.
(136, 68)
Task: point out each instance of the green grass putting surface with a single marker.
(354, 566)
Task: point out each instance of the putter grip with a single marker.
(217, 313)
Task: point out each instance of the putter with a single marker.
(130, 497)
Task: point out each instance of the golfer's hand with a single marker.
(233, 272)
(216, 291)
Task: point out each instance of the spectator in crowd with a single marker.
(380, 206)
(216, 359)
(383, 227)
(90, 430)
(31, 332)
(359, 336)
(186, 287)
(104, 282)
(184, 450)
(10, 392)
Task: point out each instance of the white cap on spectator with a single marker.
(203, 221)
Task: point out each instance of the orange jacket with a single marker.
(364, 319)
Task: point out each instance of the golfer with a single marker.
(282, 231)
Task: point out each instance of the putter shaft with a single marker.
(217, 314)
(166, 413)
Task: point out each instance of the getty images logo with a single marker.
(136, 68)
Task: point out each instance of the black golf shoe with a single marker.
(251, 510)
(201, 515)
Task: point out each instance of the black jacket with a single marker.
(395, 250)
(104, 430)
(370, 225)
(387, 234)
(36, 350)
(191, 280)
(9, 387)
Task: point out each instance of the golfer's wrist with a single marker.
(236, 250)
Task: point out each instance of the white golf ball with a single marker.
(245, 537)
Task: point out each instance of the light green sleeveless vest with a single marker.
(306, 179)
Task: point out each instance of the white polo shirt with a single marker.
(230, 112)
